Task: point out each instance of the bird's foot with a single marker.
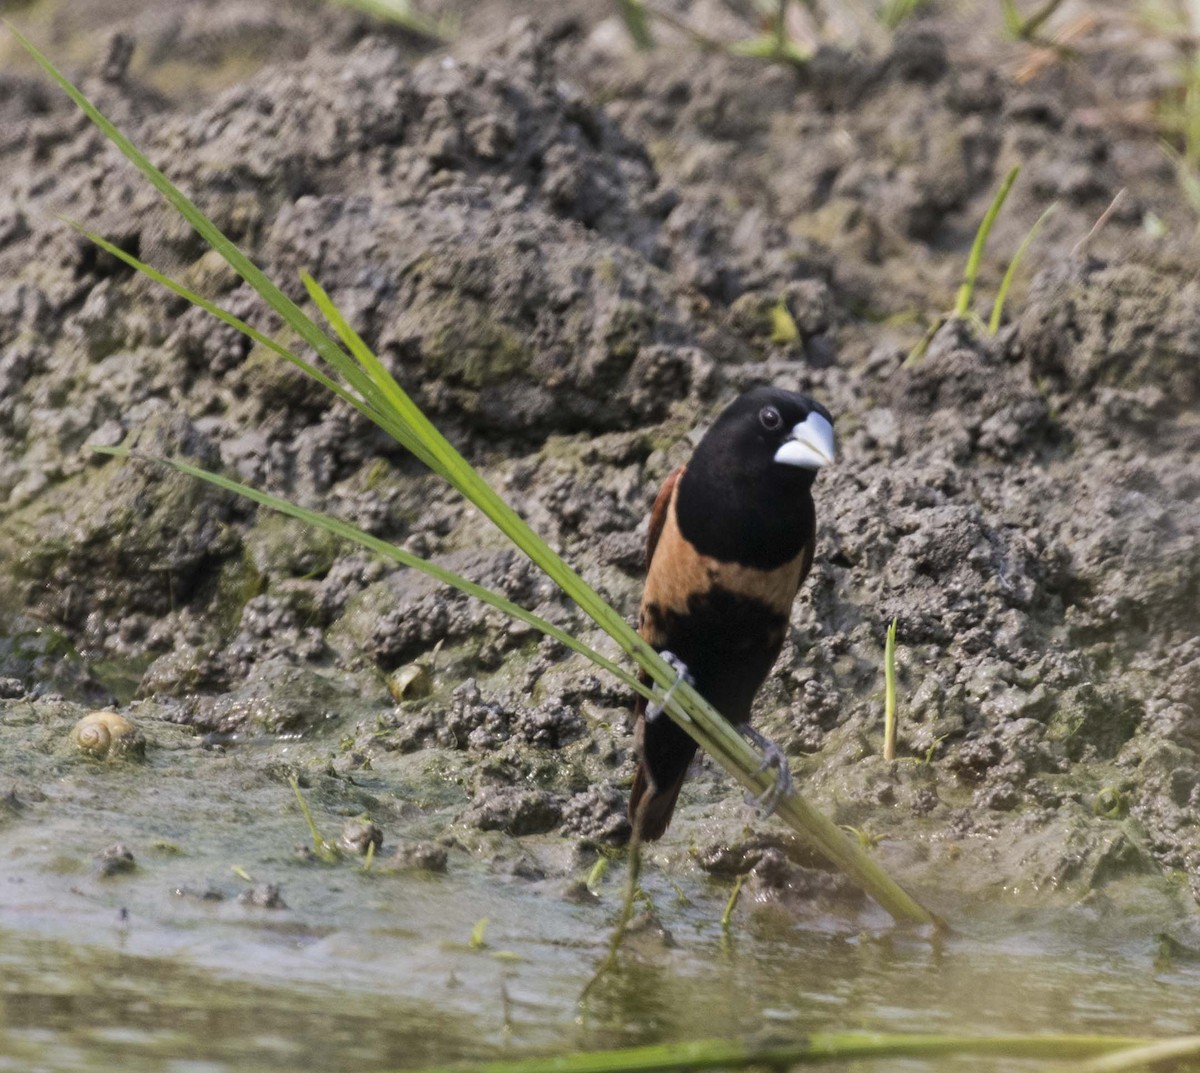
(773, 757)
(681, 675)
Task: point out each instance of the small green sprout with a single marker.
(962, 310)
(478, 940)
(783, 324)
(323, 848)
(966, 291)
(865, 838)
(730, 905)
(933, 748)
(1026, 29)
(596, 875)
(889, 701)
(1006, 282)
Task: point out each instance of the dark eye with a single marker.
(770, 419)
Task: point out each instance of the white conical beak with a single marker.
(810, 444)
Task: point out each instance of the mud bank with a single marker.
(572, 254)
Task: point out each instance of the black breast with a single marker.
(762, 523)
(729, 643)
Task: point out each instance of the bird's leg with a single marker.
(773, 757)
(681, 675)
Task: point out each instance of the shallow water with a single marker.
(367, 970)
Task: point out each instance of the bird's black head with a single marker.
(769, 433)
(747, 488)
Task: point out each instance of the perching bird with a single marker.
(731, 540)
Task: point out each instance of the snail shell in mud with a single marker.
(104, 734)
(410, 683)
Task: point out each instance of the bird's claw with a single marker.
(682, 674)
(773, 757)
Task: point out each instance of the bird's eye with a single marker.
(770, 419)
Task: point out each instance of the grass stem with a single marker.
(962, 304)
(889, 700)
(817, 1048)
(1006, 282)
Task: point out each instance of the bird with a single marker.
(730, 542)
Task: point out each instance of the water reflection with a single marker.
(63, 1007)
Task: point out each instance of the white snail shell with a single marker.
(103, 734)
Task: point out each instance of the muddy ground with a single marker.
(573, 253)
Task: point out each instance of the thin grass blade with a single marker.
(221, 314)
(817, 1048)
(1010, 273)
(383, 419)
(637, 23)
(962, 304)
(889, 702)
(403, 14)
(467, 480)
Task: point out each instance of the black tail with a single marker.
(665, 753)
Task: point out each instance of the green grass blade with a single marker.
(962, 304)
(1012, 17)
(322, 847)
(923, 344)
(819, 1047)
(1006, 282)
(1144, 1056)
(467, 480)
(637, 23)
(390, 551)
(403, 14)
(731, 904)
(889, 703)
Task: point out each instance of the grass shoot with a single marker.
(731, 905)
(1011, 271)
(889, 700)
(840, 1048)
(404, 14)
(633, 890)
(966, 291)
(1027, 27)
(962, 310)
(478, 939)
(324, 849)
